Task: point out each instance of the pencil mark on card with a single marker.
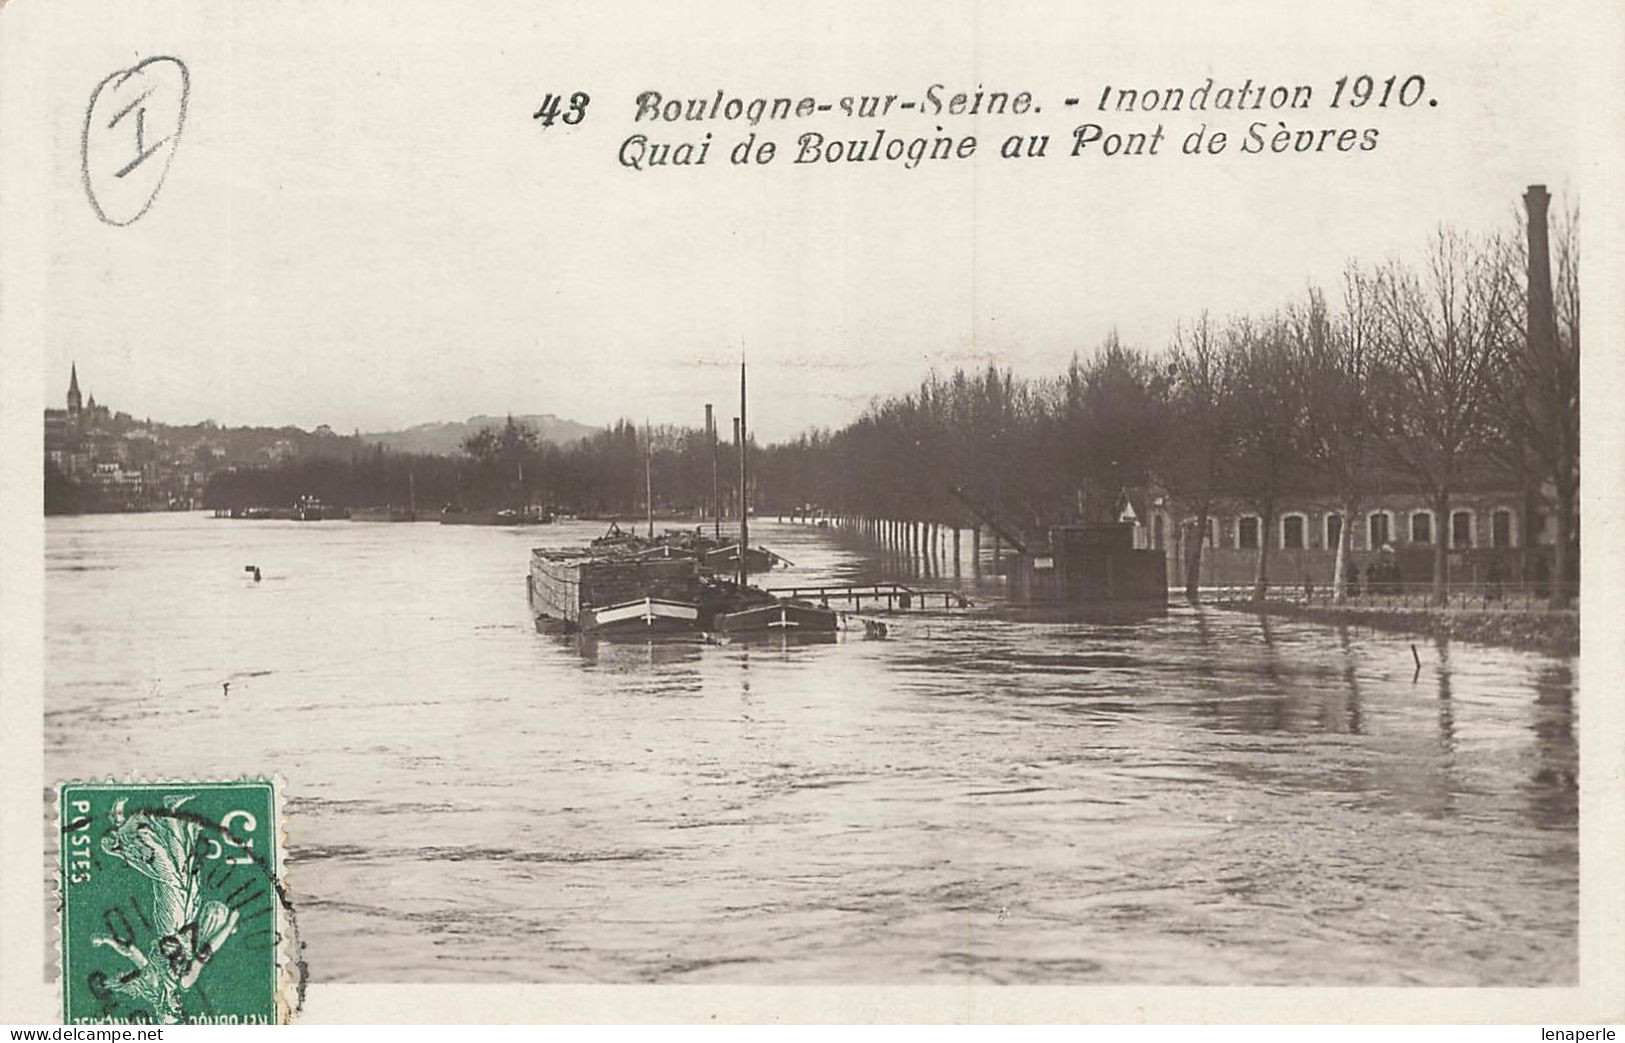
(132, 127)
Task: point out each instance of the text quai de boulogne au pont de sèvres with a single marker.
(941, 123)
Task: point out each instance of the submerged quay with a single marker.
(1534, 628)
(1001, 797)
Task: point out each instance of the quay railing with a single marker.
(892, 595)
(1415, 596)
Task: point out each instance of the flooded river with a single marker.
(1203, 797)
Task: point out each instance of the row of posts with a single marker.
(923, 547)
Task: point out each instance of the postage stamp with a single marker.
(173, 906)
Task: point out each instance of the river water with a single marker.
(1199, 798)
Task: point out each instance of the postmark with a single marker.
(174, 908)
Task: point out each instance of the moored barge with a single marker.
(452, 515)
(784, 616)
(626, 584)
(582, 591)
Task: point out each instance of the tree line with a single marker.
(1429, 368)
(603, 474)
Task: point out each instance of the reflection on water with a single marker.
(990, 796)
(1553, 787)
(1447, 717)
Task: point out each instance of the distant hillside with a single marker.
(446, 438)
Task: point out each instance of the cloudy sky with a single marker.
(362, 226)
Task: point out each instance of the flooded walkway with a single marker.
(1202, 797)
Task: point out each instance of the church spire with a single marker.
(74, 400)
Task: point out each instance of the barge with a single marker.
(593, 591)
(715, 555)
(786, 616)
(587, 591)
(495, 516)
(383, 514)
(306, 508)
(642, 586)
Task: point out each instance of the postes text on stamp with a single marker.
(173, 910)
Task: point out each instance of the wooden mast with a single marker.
(648, 477)
(716, 484)
(744, 478)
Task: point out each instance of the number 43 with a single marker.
(551, 103)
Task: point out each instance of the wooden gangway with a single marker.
(889, 595)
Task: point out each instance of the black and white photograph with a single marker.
(811, 504)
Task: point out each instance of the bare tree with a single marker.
(1332, 353)
(1199, 448)
(1442, 336)
(1269, 428)
(1112, 412)
(1563, 399)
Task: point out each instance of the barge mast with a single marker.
(744, 480)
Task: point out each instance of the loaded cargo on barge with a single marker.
(624, 584)
(593, 592)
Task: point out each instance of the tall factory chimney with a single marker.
(1545, 357)
(1538, 319)
(1542, 318)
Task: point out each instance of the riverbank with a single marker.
(1536, 630)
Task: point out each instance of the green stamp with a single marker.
(173, 906)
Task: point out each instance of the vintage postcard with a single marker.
(547, 511)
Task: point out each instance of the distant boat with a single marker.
(383, 514)
(392, 513)
(496, 516)
(309, 508)
(306, 508)
(617, 538)
(726, 559)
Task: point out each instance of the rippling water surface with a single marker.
(1203, 797)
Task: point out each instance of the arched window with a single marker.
(1379, 530)
(1247, 532)
(1461, 529)
(1294, 528)
(1156, 532)
(1422, 527)
(1501, 528)
(1334, 530)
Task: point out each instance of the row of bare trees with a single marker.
(1429, 369)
